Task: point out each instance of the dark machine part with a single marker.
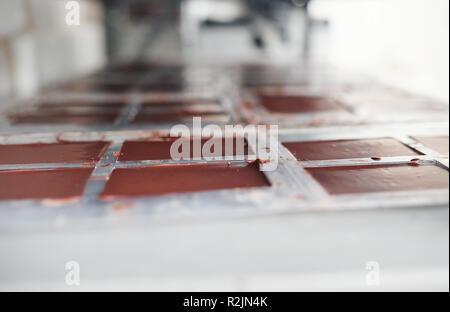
(153, 14)
(157, 15)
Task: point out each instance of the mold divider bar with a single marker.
(101, 173)
(402, 160)
(151, 163)
(130, 110)
(43, 166)
(303, 183)
(443, 163)
(416, 145)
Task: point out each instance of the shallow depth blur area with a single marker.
(336, 178)
(401, 42)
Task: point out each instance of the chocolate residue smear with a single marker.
(414, 162)
(167, 179)
(123, 206)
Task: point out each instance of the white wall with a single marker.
(38, 48)
(402, 42)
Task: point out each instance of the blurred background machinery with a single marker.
(404, 43)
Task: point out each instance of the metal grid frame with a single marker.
(293, 189)
(202, 84)
(357, 105)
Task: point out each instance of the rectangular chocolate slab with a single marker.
(58, 184)
(348, 149)
(297, 104)
(67, 152)
(167, 179)
(370, 179)
(160, 150)
(438, 143)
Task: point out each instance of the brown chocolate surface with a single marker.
(369, 179)
(173, 117)
(438, 143)
(348, 149)
(160, 180)
(88, 152)
(74, 119)
(160, 150)
(43, 184)
(286, 104)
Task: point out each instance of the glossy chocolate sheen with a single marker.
(370, 179)
(161, 180)
(55, 184)
(79, 152)
(75, 119)
(348, 149)
(160, 150)
(173, 117)
(439, 143)
(285, 104)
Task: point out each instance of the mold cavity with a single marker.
(348, 149)
(57, 184)
(67, 152)
(438, 143)
(369, 179)
(298, 104)
(165, 179)
(160, 150)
